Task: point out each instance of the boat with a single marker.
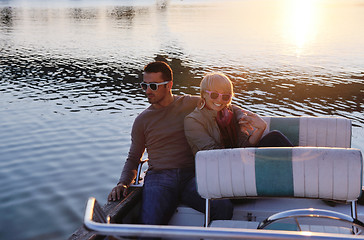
(310, 191)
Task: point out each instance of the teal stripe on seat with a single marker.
(290, 127)
(285, 226)
(273, 172)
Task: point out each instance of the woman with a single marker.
(216, 123)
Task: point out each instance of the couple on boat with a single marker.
(173, 129)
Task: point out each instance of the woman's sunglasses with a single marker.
(215, 95)
(153, 86)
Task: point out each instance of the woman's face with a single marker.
(216, 98)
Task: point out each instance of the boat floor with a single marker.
(257, 210)
(248, 213)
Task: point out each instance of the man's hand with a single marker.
(117, 192)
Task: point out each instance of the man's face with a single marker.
(158, 95)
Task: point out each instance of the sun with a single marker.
(303, 20)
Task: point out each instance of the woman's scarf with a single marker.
(227, 124)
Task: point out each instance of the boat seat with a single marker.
(326, 229)
(307, 131)
(234, 224)
(295, 172)
(313, 131)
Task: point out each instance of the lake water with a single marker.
(69, 73)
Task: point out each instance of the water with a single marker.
(69, 92)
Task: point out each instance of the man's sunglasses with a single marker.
(153, 86)
(215, 95)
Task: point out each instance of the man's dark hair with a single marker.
(161, 67)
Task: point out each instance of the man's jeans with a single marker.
(165, 189)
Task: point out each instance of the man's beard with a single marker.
(155, 99)
(152, 99)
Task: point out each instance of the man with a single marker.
(170, 179)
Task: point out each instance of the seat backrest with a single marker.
(313, 131)
(310, 172)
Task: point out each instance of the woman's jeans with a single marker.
(164, 190)
(274, 139)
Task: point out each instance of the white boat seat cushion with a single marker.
(310, 172)
(313, 131)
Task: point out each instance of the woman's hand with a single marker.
(254, 123)
(251, 121)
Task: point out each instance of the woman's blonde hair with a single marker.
(211, 80)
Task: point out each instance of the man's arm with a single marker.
(136, 151)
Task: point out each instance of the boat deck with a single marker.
(257, 210)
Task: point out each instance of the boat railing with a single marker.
(139, 177)
(358, 226)
(97, 222)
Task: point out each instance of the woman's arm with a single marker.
(198, 137)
